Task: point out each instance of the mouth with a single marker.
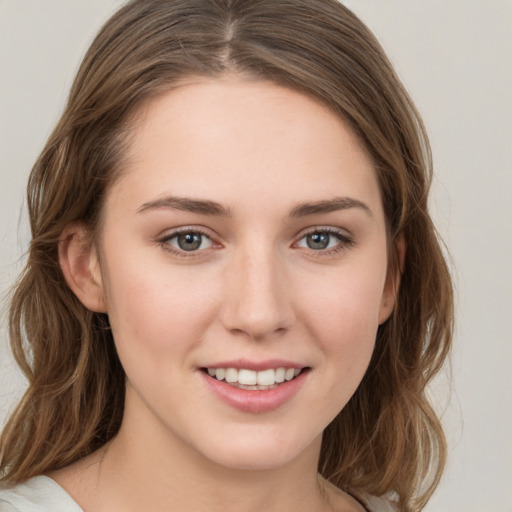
(255, 387)
(253, 380)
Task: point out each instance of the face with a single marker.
(245, 242)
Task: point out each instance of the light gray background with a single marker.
(454, 57)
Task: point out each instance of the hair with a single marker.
(387, 439)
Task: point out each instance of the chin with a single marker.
(261, 451)
(257, 460)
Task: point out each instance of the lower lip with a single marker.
(255, 401)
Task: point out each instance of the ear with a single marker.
(79, 262)
(393, 278)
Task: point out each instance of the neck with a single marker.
(146, 468)
(148, 476)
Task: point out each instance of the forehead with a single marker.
(232, 136)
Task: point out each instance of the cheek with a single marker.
(345, 308)
(344, 324)
(342, 316)
(156, 309)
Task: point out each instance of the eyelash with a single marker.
(164, 242)
(344, 241)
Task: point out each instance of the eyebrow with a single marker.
(328, 206)
(206, 207)
(186, 204)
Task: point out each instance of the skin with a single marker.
(254, 290)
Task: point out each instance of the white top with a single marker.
(38, 494)
(42, 494)
(375, 504)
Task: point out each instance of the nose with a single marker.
(257, 296)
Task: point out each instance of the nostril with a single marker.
(258, 305)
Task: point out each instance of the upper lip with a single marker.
(258, 366)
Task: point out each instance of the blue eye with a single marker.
(189, 241)
(323, 240)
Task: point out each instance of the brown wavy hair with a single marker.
(388, 439)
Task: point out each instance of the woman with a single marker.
(234, 296)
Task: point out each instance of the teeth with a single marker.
(231, 375)
(289, 374)
(267, 378)
(247, 377)
(250, 379)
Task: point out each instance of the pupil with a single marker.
(318, 240)
(189, 241)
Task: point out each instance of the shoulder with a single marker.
(38, 494)
(378, 504)
(352, 500)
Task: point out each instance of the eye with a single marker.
(188, 241)
(324, 240)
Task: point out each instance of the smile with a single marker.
(254, 380)
(255, 390)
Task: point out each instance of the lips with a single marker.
(252, 379)
(255, 387)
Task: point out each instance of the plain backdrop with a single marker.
(454, 57)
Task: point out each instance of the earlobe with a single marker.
(79, 262)
(393, 279)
